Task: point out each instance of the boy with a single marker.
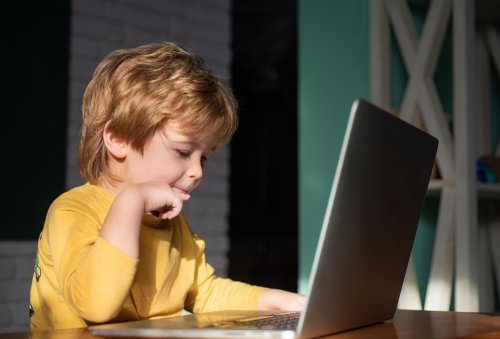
(118, 248)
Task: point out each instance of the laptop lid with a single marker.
(365, 242)
(370, 222)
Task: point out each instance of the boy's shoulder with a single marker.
(83, 196)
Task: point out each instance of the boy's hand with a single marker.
(161, 198)
(273, 299)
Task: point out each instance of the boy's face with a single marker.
(170, 157)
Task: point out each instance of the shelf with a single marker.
(485, 191)
(461, 270)
(488, 191)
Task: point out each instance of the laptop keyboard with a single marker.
(281, 321)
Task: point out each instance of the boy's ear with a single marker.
(115, 144)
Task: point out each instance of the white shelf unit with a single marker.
(466, 253)
(484, 191)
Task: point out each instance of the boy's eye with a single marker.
(203, 160)
(184, 154)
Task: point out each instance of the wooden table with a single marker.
(406, 324)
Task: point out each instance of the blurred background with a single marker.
(295, 67)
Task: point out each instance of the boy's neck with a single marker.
(111, 186)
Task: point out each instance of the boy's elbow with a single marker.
(99, 314)
(96, 301)
(96, 309)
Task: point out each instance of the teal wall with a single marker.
(333, 71)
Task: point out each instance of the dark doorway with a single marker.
(263, 213)
(35, 77)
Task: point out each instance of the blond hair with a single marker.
(135, 92)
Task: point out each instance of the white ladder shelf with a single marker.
(464, 254)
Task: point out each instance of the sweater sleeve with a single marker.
(95, 278)
(210, 293)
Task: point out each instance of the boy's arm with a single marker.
(96, 274)
(122, 225)
(93, 276)
(274, 299)
(211, 293)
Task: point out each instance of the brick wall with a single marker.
(97, 28)
(17, 260)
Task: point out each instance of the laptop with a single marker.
(364, 246)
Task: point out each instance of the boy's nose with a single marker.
(195, 170)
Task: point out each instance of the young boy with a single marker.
(118, 248)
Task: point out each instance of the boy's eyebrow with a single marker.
(190, 142)
(183, 142)
(187, 140)
(182, 139)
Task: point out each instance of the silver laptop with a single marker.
(364, 246)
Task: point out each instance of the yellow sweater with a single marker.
(81, 279)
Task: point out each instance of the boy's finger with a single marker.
(171, 210)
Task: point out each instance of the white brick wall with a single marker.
(97, 28)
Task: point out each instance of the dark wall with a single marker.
(263, 213)
(34, 103)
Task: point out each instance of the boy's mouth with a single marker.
(180, 190)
